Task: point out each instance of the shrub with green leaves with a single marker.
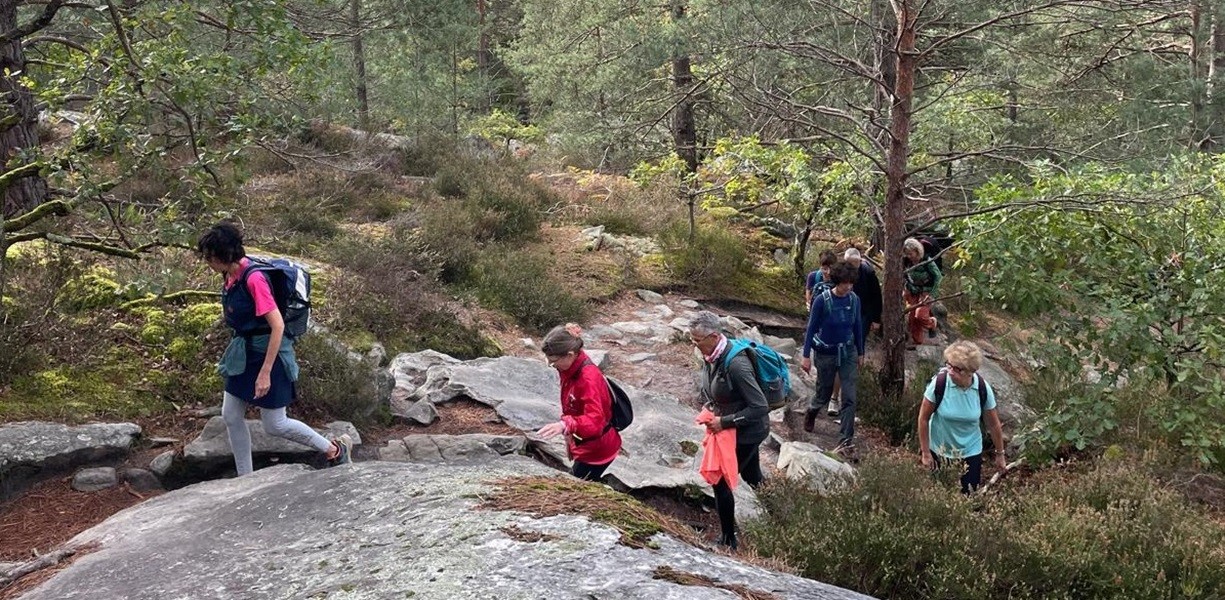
(895, 418)
(1110, 531)
(519, 283)
(715, 259)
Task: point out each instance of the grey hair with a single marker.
(914, 245)
(705, 323)
(852, 254)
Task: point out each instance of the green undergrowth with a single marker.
(1106, 530)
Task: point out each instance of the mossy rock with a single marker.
(95, 288)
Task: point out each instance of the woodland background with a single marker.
(1072, 148)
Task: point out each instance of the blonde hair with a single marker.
(964, 354)
(913, 245)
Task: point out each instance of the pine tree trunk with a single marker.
(1216, 82)
(18, 119)
(892, 319)
(359, 66)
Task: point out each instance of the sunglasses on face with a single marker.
(699, 340)
(956, 369)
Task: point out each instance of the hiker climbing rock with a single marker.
(259, 365)
(835, 336)
(592, 441)
(731, 393)
(949, 416)
(922, 281)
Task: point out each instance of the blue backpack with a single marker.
(769, 367)
(291, 287)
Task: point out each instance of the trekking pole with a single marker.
(1000, 474)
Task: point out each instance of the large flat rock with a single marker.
(525, 394)
(33, 449)
(381, 530)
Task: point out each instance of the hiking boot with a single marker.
(834, 405)
(810, 420)
(345, 456)
(729, 541)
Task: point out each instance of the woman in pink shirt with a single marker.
(259, 365)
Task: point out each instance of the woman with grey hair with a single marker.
(922, 280)
(949, 416)
(730, 390)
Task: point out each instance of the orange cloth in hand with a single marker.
(718, 453)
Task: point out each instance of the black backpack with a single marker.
(942, 382)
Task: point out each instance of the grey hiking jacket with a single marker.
(736, 398)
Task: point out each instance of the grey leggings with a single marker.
(234, 411)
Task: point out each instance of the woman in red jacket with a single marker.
(586, 405)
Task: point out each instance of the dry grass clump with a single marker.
(549, 496)
(666, 573)
(530, 537)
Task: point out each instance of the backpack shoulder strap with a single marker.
(982, 392)
(828, 297)
(942, 382)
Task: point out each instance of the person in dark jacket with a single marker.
(835, 337)
(867, 287)
(732, 393)
(586, 405)
(259, 365)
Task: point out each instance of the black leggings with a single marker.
(725, 502)
(588, 472)
(971, 476)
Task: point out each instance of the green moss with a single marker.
(184, 350)
(153, 334)
(78, 394)
(196, 319)
(689, 447)
(95, 288)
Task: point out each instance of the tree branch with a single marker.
(37, 24)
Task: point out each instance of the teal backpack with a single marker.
(769, 367)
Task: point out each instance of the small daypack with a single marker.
(942, 382)
(622, 409)
(769, 367)
(291, 288)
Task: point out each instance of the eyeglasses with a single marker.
(553, 360)
(699, 340)
(956, 369)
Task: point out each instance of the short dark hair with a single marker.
(843, 272)
(223, 242)
(828, 257)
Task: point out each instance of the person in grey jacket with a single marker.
(736, 399)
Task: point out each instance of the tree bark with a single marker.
(893, 319)
(484, 59)
(1197, 74)
(359, 66)
(19, 134)
(684, 130)
(1216, 82)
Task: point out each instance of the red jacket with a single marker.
(586, 409)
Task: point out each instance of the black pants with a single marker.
(588, 472)
(725, 502)
(971, 477)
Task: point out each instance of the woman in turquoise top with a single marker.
(949, 426)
